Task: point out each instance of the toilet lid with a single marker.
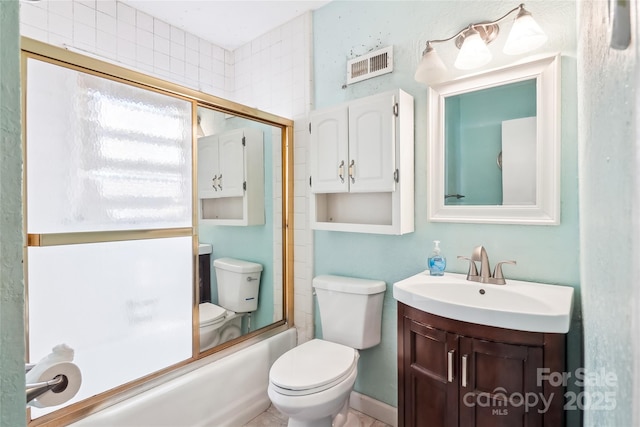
(210, 313)
(313, 366)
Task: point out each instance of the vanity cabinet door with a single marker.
(459, 374)
(329, 150)
(231, 157)
(208, 169)
(498, 384)
(431, 373)
(372, 159)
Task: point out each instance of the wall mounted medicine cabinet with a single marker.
(361, 164)
(494, 146)
(231, 178)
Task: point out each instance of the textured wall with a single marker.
(608, 211)
(548, 254)
(11, 281)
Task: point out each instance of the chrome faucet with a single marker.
(480, 254)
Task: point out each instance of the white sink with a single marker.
(525, 306)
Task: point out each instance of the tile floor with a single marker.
(273, 418)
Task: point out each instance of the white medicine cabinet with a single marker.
(231, 178)
(361, 165)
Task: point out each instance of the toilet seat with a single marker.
(210, 314)
(312, 367)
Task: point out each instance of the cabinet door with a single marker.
(372, 148)
(208, 167)
(498, 384)
(329, 150)
(431, 369)
(231, 164)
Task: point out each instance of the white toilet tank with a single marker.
(350, 310)
(238, 284)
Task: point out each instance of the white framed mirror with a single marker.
(494, 146)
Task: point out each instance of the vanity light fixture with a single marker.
(525, 35)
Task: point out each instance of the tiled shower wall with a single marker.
(271, 73)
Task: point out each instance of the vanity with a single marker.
(477, 354)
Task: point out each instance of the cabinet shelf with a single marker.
(231, 178)
(361, 163)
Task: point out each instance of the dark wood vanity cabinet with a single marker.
(453, 373)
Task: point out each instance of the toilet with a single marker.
(238, 287)
(312, 382)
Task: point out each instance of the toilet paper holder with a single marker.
(34, 390)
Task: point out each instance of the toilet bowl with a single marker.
(312, 382)
(217, 325)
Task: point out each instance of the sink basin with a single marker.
(525, 306)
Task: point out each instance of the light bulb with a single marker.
(473, 52)
(525, 35)
(431, 68)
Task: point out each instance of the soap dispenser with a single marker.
(437, 262)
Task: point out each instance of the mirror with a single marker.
(240, 221)
(494, 146)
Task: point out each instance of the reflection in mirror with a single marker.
(490, 146)
(494, 146)
(239, 226)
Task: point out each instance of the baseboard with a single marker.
(374, 408)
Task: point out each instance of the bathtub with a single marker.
(229, 391)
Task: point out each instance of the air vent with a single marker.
(370, 65)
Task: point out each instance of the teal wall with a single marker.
(253, 243)
(12, 348)
(548, 254)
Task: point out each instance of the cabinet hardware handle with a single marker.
(341, 171)
(213, 182)
(220, 182)
(352, 167)
(464, 370)
(450, 355)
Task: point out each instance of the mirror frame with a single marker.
(546, 210)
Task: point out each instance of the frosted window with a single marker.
(103, 155)
(124, 307)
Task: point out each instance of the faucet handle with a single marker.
(473, 270)
(497, 272)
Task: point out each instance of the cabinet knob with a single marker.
(464, 370)
(352, 171)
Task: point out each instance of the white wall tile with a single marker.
(105, 23)
(84, 15)
(126, 13)
(144, 21)
(162, 29)
(177, 36)
(63, 8)
(144, 38)
(61, 26)
(84, 34)
(108, 7)
(107, 44)
(34, 15)
(162, 45)
(192, 42)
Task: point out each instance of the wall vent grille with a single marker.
(370, 65)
